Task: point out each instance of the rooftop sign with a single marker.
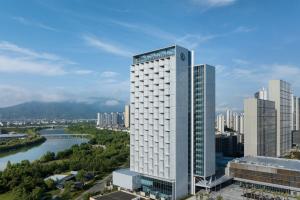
(154, 55)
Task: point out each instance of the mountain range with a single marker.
(60, 110)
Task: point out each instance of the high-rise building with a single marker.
(203, 118)
(98, 119)
(262, 94)
(236, 122)
(127, 116)
(295, 113)
(172, 114)
(114, 118)
(260, 127)
(229, 118)
(297, 107)
(280, 92)
(220, 123)
(159, 125)
(242, 123)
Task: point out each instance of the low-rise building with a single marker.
(272, 174)
(127, 179)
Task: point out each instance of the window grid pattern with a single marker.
(150, 101)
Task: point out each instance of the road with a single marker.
(99, 186)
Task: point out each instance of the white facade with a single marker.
(242, 118)
(98, 119)
(297, 108)
(236, 122)
(220, 123)
(127, 116)
(229, 118)
(126, 179)
(159, 102)
(280, 92)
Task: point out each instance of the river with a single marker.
(59, 141)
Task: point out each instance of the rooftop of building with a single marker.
(281, 163)
(127, 171)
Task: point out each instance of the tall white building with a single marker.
(220, 123)
(260, 128)
(229, 118)
(127, 116)
(297, 110)
(242, 119)
(172, 114)
(280, 92)
(159, 126)
(98, 119)
(236, 122)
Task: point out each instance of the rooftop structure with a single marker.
(272, 174)
(270, 162)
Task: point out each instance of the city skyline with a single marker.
(86, 54)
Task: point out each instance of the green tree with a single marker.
(50, 184)
(49, 156)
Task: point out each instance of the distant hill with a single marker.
(60, 110)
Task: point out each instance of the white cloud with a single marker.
(19, 65)
(189, 40)
(109, 74)
(28, 22)
(83, 72)
(244, 29)
(111, 102)
(240, 61)
(105, 46)
(12, 95)
(213, 3)
(10, 47)
(16, 59)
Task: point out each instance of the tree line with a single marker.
(26, 180)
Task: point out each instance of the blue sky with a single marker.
(57, 50)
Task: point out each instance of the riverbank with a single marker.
(26, 179)
(15, 144)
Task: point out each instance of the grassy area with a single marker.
(7, 196)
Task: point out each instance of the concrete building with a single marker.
(280, 92)
(109, 120)
(159, 125)
(127, 179)
(296, 138)
(220, 123)
(172, 116)
(203, 118)
(114, 118)
(242, 119)
(98, 119)
(260, 127)
(262, 94)
(236, 122)
(271, 174)
(127, 116)
(297, 108)
(229, 118)
(295, 113)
